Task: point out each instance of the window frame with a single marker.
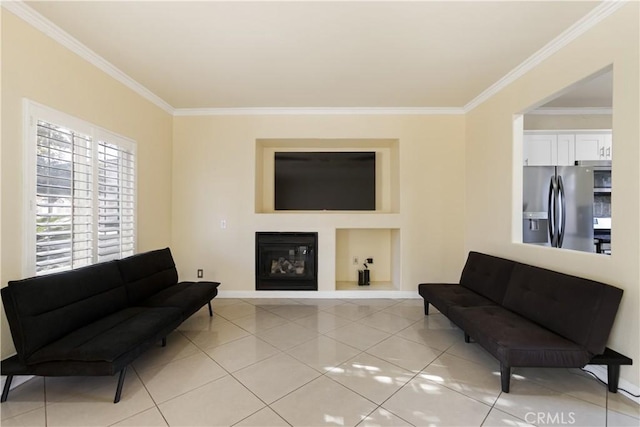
(32, 113)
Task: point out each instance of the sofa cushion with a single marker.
(110, 337)
(443, 296)
(147, 273)
(516, 341)
(487, 275)
(578, 309)
(49, 307)
(187, 296)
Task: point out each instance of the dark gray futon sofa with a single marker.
(96, 320)
(527, 316)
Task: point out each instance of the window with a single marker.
(80, 193)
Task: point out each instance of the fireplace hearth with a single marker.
(286, 261)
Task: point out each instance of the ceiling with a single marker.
(268, 54)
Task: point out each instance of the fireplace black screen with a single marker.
(286, 261)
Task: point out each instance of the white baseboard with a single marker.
(320, 294)
(600, 371)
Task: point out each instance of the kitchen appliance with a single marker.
(557, 207)
(601, 204)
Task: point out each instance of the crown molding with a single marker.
(573, 111)
(596, 15)
(295, 111)
(26, 13)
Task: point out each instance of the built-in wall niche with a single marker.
(355, 245)
(387, 191)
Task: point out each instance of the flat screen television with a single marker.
(336, 181)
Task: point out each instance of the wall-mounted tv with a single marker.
(335, 181)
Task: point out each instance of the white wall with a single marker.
(494, 171)
(214, 164)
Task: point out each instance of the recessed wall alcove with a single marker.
(343, 235)
(387, 168)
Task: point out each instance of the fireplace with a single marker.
(286, 261)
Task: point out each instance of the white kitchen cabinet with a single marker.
(594, 146)
(548, 149)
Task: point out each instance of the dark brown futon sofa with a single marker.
(527, 316)
(96, 320)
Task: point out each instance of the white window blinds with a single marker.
(115, 201)
(63, 199)
(81, 201)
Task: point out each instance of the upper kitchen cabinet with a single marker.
(564, 148)
(594, 146)
(548, 149)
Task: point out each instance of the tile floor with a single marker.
(312, 362)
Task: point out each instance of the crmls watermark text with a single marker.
(542, 418)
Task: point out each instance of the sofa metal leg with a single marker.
(467, 338)
(426, 308)
(505, 377)
(5, 390)
(613, 376)
(120, 383)
(210, 309)
(164, 341)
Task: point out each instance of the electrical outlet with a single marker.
(355, 260)
(369, 260)
(223, 223)
(200, 273)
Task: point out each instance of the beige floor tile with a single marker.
(320, 302)
(200, 322)
(468, 378)
(411, 312)
(358, 335)
(178, 347)
(351, 311)
(383, 418)
(263, 418)
(422, 402)
(220, 333)
(259, 321)
(24, 398)
(371, 377)
(618, 402)
(34, 418)
(323, 353)
(323, 402)
(149, 418)
(386, 322)
(221, 302)
(573, 382)
(440, 339)
(404, 353)
(267, 303)
(219, 403)
(94, 407)
(173, 379)
(474, 353)
(527, 397)
(497, 418)
(378, 303)
(614, 419)
(241, 353)
(322, 322)
(236, 311)
(59, 389)
(293, 312)
(275, 377)
(287, 335)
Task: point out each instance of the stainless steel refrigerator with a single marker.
(557, 205)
